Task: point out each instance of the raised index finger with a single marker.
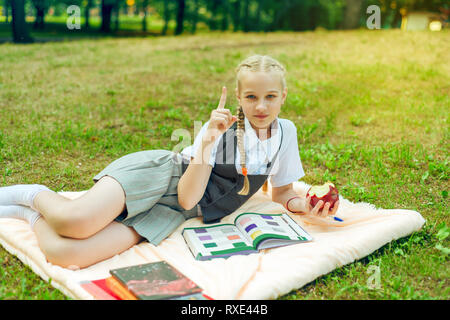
(223, 98)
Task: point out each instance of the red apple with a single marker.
(326, 192)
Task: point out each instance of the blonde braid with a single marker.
(240, 140)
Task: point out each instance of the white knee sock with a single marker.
(20, 212)
(20, 194)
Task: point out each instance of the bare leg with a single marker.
(82, 217)
(65, 252)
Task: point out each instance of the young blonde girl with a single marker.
(146, 195)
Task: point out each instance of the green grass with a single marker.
(371, 109)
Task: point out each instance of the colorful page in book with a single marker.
(270, 230)
(218, 241)
(154, 281)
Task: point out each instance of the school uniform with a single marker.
(150, 178)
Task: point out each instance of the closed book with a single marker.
(155, 281)
(101, 283)
(119, 289)
(97, 292)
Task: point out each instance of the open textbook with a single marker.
(250, 233)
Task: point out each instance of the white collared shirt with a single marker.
(287, 167)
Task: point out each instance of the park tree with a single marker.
(236, 14)
(225, 15)
(116, 12)
(194, 15)
(167, 15)
(352, 14)
(331, 13)
(181, 6)
(219, 14)
(279, 11)
(41, 6)
(107, 7)
(213, 7)
(246, 17)
(6, 6)
(257, 21)
(87, 8)
(145, 4)
(19, 27)
(170, 8)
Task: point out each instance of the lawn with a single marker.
(371, 110)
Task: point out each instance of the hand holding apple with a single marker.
(320, 199)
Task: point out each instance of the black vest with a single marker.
(221, 195)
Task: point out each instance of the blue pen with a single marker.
(337, 219)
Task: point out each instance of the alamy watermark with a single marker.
(74, 17)
(374, 280)
(374, 20)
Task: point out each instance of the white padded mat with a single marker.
(265, 275)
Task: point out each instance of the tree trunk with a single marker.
(236, 15)
(116, 15)
(257, 26)
(246, 16)
(87, 13)
(6, 10)
(279, 14)
(225, 14)
(352, 14)
(314, 15)
(144, 20)
(39, 20)
(213, 20)
(397, 19)
(166, 17)
(19, 26)
(194, 17)
(107, 8)
(180, 17)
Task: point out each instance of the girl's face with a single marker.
(261, 98)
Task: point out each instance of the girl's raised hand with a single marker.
(221, 119)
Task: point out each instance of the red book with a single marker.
(154, 281)
(99, 290)
(119, 289)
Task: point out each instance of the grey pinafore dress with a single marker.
(150, 179)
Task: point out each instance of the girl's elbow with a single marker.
(185, 204)
(189, 206)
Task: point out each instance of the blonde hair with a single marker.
(255, 63)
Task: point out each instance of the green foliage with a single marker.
(442, 235)
(225, 15)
